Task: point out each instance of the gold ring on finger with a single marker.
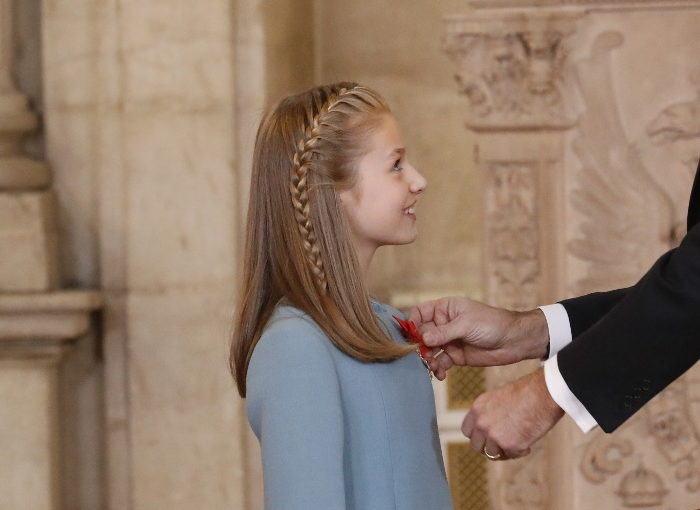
(489, 456)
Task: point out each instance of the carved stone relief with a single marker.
(670, 151)
(625, 215)
(525, 482)
(628, 198)
(513, 234)
(511, 66)
(642, 487)
(512, 69)
(631, 198)
(603, 457)
(669, 421)
(514, 280)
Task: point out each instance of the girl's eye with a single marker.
(397, 165)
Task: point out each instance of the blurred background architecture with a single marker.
(559, 139)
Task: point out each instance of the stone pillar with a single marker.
(511, 69)
(36, 330)
(141, 103)
(27, 229)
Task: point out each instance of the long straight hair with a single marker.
(298, 244)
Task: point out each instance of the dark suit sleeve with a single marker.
(584, 311)
(649, 338)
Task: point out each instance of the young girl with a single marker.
(341, 403)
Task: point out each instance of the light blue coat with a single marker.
(337, 433)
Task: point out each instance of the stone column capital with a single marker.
(511, 66)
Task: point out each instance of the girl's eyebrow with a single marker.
(398, 151)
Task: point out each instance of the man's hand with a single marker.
(475, 334)
(509, 420)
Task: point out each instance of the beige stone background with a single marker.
(114, 324)
(147, 111)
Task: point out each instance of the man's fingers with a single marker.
(434, 336)
(468, 425)
(441, 364)
(415, 316)
(518, 454)
(422, 313)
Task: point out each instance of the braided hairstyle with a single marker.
(298, 243)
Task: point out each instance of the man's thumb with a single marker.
(441, 335)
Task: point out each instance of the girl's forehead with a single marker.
(386, 138)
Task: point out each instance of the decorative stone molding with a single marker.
(511, 66)
(511, 202)
(625, 216)
(627, 165)
(44, 319)
(521, 171)
(670, 421)
(602, 457)
(589, 4)
(525, 485)
(16, 119)
(36, 331)
(28, 250)
(642, 487)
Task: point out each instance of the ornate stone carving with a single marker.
(625, 216)
(511, 65)
(678, 121)
(514, 280)
(603, 457)
(672, 417)
(525, 482)
(642, 487)
(632, 198)
(670, 420)
(670, 424)
(689, 472)
(670, 151)
(513, 234)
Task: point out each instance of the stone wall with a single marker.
(397, 47)
(148, 112)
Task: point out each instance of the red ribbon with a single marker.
(410, 332)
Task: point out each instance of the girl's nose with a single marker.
(418, 183)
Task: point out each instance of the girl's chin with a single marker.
(409, 239)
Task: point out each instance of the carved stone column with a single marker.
(27, 229)
(36, 331)
(511, 67)
(39, 324)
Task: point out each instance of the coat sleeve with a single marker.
(584, 311)
(294, 407)
(649, 338)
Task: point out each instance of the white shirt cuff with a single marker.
(562, 395)
(558, 325)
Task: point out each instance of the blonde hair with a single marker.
(298, 244)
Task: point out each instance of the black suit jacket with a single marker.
(629, 344)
